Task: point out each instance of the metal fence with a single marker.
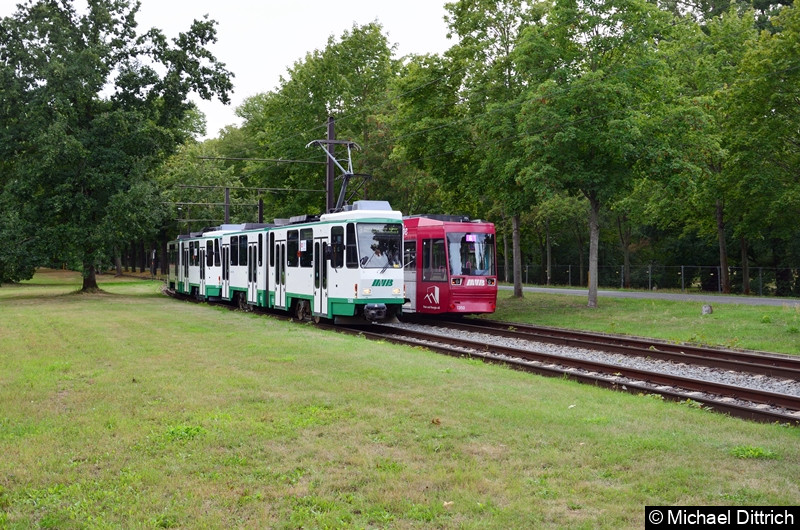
(763, 281)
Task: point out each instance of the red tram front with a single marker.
(449, 264)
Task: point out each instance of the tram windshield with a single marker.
(380, 245)
(471, 254)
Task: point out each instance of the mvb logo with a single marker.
(476, 282)
(433, 295)
(382, 283)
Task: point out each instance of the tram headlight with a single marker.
(367, 291)
(396, 291)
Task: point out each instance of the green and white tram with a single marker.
(345, 266)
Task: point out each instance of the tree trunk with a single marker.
(118, 262)
(725, 279)
(624, 229)
(142, 257)
(89, 278)
(505, 250)
(594, 242)
(745, 266)
(549, 252)
(515, 221)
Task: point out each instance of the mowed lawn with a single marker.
(130, 409)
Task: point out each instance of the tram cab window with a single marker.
(337, 247)
(380, 245)
(292, 248)
(471, 254)
(434, 262)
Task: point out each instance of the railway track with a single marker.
(750, 403)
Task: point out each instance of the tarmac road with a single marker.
(709, 298)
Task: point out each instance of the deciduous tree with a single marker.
(90, 107)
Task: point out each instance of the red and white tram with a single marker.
(449, 265)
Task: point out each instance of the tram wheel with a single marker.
(301, 310)
(243, 302)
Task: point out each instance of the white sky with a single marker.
(259, 40)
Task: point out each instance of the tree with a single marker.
(765, 143)
(89, 109)
(581, 126)
(432, 141)
(489, 32)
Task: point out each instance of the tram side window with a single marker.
(209, 253)
(337, 247)
(292, 248)
(410, 255)
(235, 250)
(260, 249)
(216, 252)
(433, 260)
(352, 249)
(306, 247)
(242, 250)
(271, 249)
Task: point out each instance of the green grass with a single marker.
(764, 328)
(130, 409)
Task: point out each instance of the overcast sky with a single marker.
(259, 39)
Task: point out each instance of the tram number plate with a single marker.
(461, 307)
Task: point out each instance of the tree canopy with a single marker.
(90, 109)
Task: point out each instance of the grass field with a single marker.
(130, 409)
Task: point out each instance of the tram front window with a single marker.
(380, 245)
(471, 254)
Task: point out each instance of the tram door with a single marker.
(226, 271)
(410, 275)
(185, 278)
(252, 273)
(202, 291)
(179, 269)
(321, 276)
(280, 274)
